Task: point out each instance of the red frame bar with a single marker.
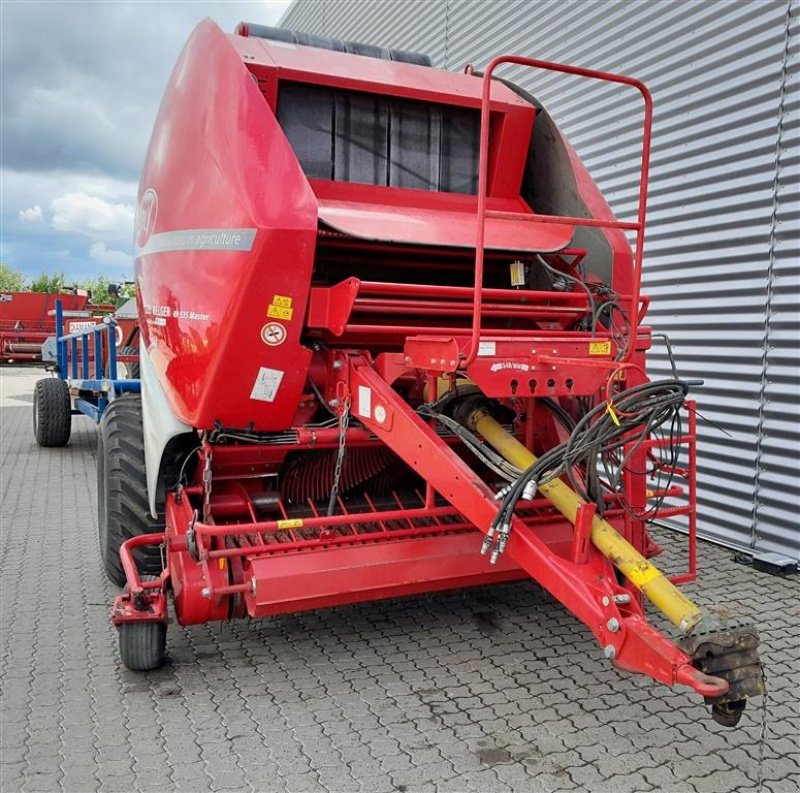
(588, 590)
(483, 180)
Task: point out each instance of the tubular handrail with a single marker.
(67, 349)
(483, 178)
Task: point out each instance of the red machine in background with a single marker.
(392, 344)
(27, 320)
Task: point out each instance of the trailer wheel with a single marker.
(127, 371)
(142, 645)
(122, 505)
(52, 412)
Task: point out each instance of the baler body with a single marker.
(379, 304)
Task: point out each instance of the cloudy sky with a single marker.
(81, 84)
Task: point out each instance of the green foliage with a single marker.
(98, 290)
(11, 280)
(48, 283)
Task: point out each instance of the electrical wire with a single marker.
(604, 307)
(580, 282)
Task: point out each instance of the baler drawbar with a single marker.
(394, 345)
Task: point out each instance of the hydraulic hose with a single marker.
(645, 576)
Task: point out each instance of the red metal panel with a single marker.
(31, 309)
(204, 309)
(426, 226)
(327, 67)
(315, 579)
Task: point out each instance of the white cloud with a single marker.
(32, 214)
(92, 215)
(100, 253)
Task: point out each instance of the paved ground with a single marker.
(489, 690)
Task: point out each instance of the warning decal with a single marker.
(280, 307)
(266, 385)
(291, 523)
(364, 401)
(599, 348)
(273, 334)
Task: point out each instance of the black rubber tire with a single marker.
(52, 412)
(122, 505)
(142, 645)
(132, 369)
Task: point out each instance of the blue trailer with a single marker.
(86, 379)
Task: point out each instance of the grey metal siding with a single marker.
(721, 251)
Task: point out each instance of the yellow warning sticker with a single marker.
(280, 307)
(292, 523)
(599, 348)
(641, 575)
(280, 312)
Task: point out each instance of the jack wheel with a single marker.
(728, 713)
(52, 412)
(142, 645)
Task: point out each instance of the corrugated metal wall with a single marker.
(721, 252)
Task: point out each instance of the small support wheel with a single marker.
(52, 412)
(142, 645)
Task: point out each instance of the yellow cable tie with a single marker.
(610, 411)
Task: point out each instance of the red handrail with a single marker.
(483, 178)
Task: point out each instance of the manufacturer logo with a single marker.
(273, 334)
(501, 365)
(146, 214)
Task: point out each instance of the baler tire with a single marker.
(52, 412)
(142, 645)
(123, 510)
(131, 369)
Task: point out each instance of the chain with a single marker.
(207, 483)
(762, 740)
(337, 471)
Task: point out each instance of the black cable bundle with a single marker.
(599, 438)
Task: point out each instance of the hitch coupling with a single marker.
(727, 649)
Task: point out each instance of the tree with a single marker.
(98, 290)
(10, 280)
(48, 283)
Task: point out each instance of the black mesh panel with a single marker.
(350, 136)
(415, 145)
(360, 147)
(307, 119)
(460, 146)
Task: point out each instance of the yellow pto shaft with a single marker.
(681, 611)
